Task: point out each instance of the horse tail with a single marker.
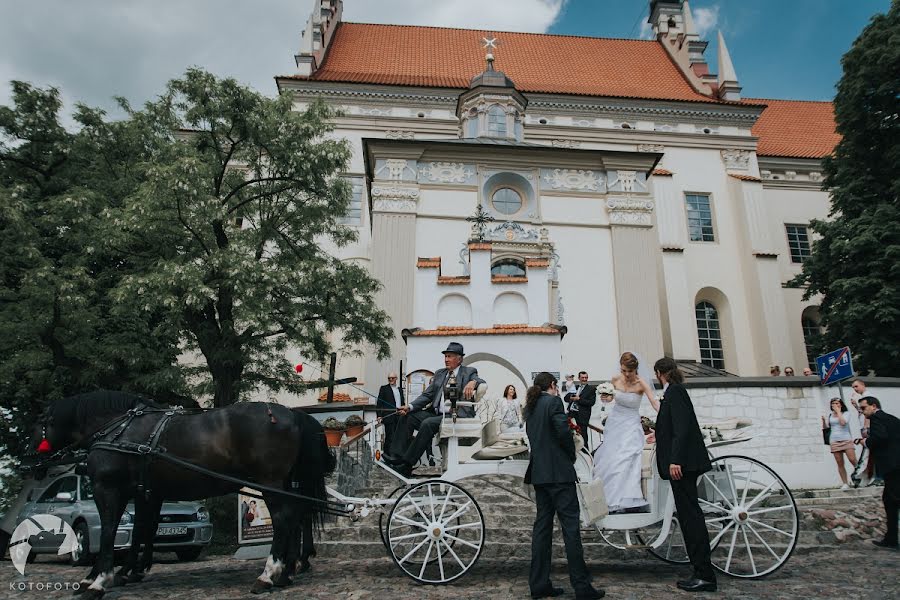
(314, 463)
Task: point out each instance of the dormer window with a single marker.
(496, 122)
(509, 267)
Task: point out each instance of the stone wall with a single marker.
(786, 420)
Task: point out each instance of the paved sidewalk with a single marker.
(854, 570)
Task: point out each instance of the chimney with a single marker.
(316, 37)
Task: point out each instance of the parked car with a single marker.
(184, 527)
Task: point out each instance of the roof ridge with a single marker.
(788, 100)
(560, 35)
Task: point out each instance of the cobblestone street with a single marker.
(855, 570)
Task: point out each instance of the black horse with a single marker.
(266, 444)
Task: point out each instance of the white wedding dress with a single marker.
(617, 462)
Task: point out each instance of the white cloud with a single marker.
(646, 31)
(706, 19)
(503, 15)
(95, 49)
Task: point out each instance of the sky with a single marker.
(93, 50)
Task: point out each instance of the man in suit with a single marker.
(426, 412)
(580, 402)
(390, 398)
(681, 458)
(884, 444)
(551, 471)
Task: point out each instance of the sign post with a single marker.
(835, 367)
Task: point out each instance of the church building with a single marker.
(550, 201)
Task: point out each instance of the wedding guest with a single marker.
(580, 402)
(551, 471)
(859, 390)
(884, 443)
(807, 371)
(682, 463)
(789, 371)
(844, 429)
(390, 398)
(510, 410)
(774, 370)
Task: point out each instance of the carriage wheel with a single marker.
(625, 539)
(673, 549)
(435, 532)
(751, 516)
(382, 524)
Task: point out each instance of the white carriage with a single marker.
(434, 529)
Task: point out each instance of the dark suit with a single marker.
(552, 472)
(884, 444)
(425, 418)
(386, 405)
(680, 442)
(581, 409)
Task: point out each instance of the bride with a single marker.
(617, 462)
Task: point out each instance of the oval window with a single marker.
(506, 201)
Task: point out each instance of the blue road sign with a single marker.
(835, 366)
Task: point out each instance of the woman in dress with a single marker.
(844, 430)
(510, 411)
(617, 462)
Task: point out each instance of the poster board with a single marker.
(254, 522)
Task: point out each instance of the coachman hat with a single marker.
(454, 348)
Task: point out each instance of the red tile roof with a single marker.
(448, 280)
(745, 177)
(662, 173)
(495, 330)
(338, 397)
(537, 262)
(479, 245)
(508, 279)
(795, 128)
(433, 262)
(449, 58)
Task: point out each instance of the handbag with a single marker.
(826, 435)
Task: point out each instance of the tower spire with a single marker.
(729, 89)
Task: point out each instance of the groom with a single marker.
(681, 457)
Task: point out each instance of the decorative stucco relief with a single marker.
(397, 169)
(573, 179)
(395, 192)
(736, 159)
(630, 211)
(374, 111)
(510, 231)
(399, 134)
(566, 144)
(626, 181)
(651, 148)
(393, 205)
(446, 172)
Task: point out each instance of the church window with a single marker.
(699, 216)
(472, 125)
(798, 242)
(496, 122)
(353, 216)
(710, 335)
(506, 201)
(508, 266)
(811, 331)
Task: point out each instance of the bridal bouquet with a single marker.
(606, 388)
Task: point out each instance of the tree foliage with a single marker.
(855, 265)
(230, 227)
(60, 331)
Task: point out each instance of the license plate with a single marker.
(171, 531)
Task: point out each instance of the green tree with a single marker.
(240, 198)
(855, 265)
(60, 331)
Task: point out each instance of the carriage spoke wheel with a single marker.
(626, 539)
(751, 516)
(435, 532)
(672, 549)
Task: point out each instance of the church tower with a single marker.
(491, 107)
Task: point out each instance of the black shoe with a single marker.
(591, 594)
(697, 585)
(551, 592)
(885, 544)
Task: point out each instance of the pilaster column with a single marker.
(394, 206)
(635, 251)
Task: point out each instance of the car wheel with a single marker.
(81, 554)
(189, 553)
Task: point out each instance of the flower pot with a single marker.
(354, 430)
(333, 437)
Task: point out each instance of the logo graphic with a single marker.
(50, 530)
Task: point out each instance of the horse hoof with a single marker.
(260, 587)
(120, 580)
(304, 566)
(135, 578)
(284, 580)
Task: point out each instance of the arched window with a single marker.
(710, 335)
(496, 122)
(811, 331)
(508, 266)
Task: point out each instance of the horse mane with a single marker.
(79, 409)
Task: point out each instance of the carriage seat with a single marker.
(647, 466)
